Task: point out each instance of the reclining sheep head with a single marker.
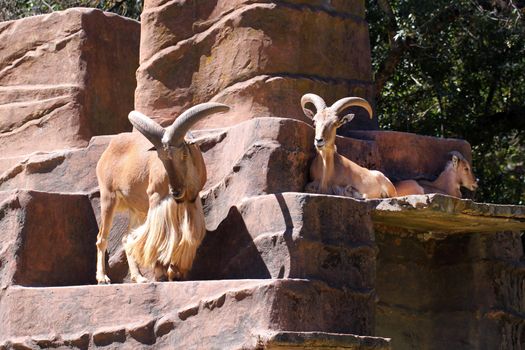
(463, 171)
(169, 142)
(327, 119)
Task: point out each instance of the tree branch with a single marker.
(398, 46)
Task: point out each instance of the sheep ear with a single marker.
(346, 118)
(309, 113)
(455, 161)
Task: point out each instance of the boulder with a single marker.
(408, 156)
(60, 84)
(64, 171)
(258, 150)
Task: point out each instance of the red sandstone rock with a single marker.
(407, 156)
(65, 77)
(274, 154)
(292, 235)
(47, 239)
(228, 314)
(258, 56)
(66, 171)
(455, 279)
(167, 23)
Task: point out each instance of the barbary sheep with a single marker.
(160, 189)
(457, 173)
(331, 172)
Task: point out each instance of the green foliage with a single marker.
(461, 74)
(14, 9)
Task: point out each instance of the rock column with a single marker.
(258, 56)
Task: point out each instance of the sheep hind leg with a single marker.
(174, 274)
(108, 202)
(134, 271)
(161, 272)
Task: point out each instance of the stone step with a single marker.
(436, 216)
(51, 240)
(320, 341)
(230, 314)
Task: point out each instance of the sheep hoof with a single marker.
(139, 279)
(103, 280)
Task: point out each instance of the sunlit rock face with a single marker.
(258, 56)
(278, 268)
(450, 273)
(60, 84)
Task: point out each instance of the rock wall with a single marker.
(59, 84)
(258, 150)
(236, 314)
(258, 56)
(450, 273)
(47, 239)
(295, 268)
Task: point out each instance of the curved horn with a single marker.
(147, 127)
(314, 99)
(175, 133)
(346, 102)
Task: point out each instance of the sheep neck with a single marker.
(327, 154)
(446, 182)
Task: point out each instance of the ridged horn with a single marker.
(314, 99)
(175, 133)
(346, 102)
(147, 127)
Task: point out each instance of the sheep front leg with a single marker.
(312, 187)
(134, 271)
(107, 209)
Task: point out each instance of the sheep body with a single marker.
(160, 190)
(456, 174)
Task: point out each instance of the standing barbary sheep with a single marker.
(457, 173)
(160, 189)
(331, 172)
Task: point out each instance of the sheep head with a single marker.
(326, 120)
(169, 142)
(463, 171)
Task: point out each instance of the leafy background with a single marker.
(442, 68)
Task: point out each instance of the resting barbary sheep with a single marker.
(159, 188)
(331, 172)
(457, 173)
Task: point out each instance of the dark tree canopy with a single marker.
(14, 9)
(449, 68)
(456, 69)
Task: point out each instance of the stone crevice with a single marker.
(295, 76)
